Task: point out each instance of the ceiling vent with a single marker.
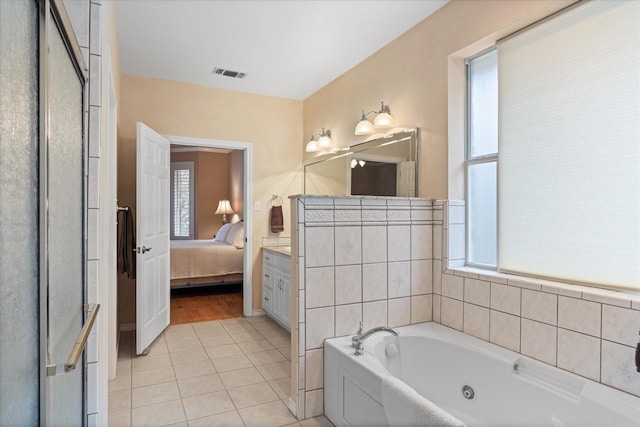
(229, 73)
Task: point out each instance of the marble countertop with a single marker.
(284, 250)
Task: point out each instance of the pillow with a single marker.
(222, 233)
(236, 235)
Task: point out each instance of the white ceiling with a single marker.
(288, 48)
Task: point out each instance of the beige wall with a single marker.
(211, 182)
(273, 125)
(410, 75)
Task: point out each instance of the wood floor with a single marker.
(204, 304)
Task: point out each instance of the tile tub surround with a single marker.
(226, 372)
(355, 259)
(585, 330)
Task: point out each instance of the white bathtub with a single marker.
(438, 362)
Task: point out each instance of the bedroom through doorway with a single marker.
(207, 235)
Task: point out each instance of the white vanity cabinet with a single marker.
(276, 286)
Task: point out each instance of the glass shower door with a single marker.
(65, 228)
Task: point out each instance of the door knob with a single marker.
(144, 249)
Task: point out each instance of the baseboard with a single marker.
(293, 407)
(127, 327)
(259, 312)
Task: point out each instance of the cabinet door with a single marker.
(277, 294)
(286, 299)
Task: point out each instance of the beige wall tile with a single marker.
(539, 341)
(399, 311)
(320, 325)
(620, 325)
(421, 277)
(314, 369)
(618, 367)
(348, 284)
(421, 242)
(453, 286)
(579, 315)
(477, 292)
(505, 298)
(579, 353)
(476, 321)
(374, 243)
(504, 330)
(540, 306)
(319, 289)
(348, 319)
(348, 245)
(399, 279)
(451, 313)
(421, 308)
(399, 246)
(319, 246)
(374, 314)
(314, 403)
(374, 281)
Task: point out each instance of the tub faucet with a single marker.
(358, 339)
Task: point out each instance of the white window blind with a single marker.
(182, 200)
(569, 158)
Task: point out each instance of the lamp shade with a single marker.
(383, 120)
(224, 208)
(324, 141)
(364, 127)
(312, 146)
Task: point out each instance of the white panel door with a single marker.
(152, 231)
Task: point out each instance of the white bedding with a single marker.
(203, 258)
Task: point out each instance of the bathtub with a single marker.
(478, 382)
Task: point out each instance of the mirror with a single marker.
(384, 165)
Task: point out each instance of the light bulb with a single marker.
(364, 127)
(383, 120)
(354, 163)
(324, 142)
(312, 146)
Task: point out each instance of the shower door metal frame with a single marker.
(48, 11)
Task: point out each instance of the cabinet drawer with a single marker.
(267, 298)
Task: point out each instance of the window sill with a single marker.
(626, 299)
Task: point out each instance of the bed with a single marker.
(205, 262)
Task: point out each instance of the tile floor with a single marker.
(232, 372)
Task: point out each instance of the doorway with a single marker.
(206, 212)
(240, 203)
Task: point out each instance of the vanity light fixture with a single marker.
(355, 162)
(323, 142)
(383, 120)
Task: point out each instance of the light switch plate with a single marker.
(256, 206)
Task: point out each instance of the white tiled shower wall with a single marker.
(588, 331)
(358, 259)
(86, 19)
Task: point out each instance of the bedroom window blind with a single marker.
(182, 200)
(569, 158)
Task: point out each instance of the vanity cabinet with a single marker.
(276, 286)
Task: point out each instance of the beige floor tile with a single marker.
(279, 342)
(293, 425)
(246, 336)
(200, 385)
(119, 400)
(204, 405)
(320, 421)
(153, 376)
(251, 395)
(217, 340)
(241, 377)
(211, 331)
(266, 357)
(182, 424)
(282, 387)
(141, 363)
(231, 363)
(121, 382)
(159, 346)
(123, 366)
(189, 356)
(223, 351)
(271, 414)
(239, 327)
(256, 346)
(160, 414)
(226, 419)
(205, 325)
(194, 369)
(120, 418)
(157, 393)
(275, 371)
(179, 330)
(286, 352)
(184, 343)
(274, 332)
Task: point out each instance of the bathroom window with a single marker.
(482, 158)
(566, 119)
(182, 191)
